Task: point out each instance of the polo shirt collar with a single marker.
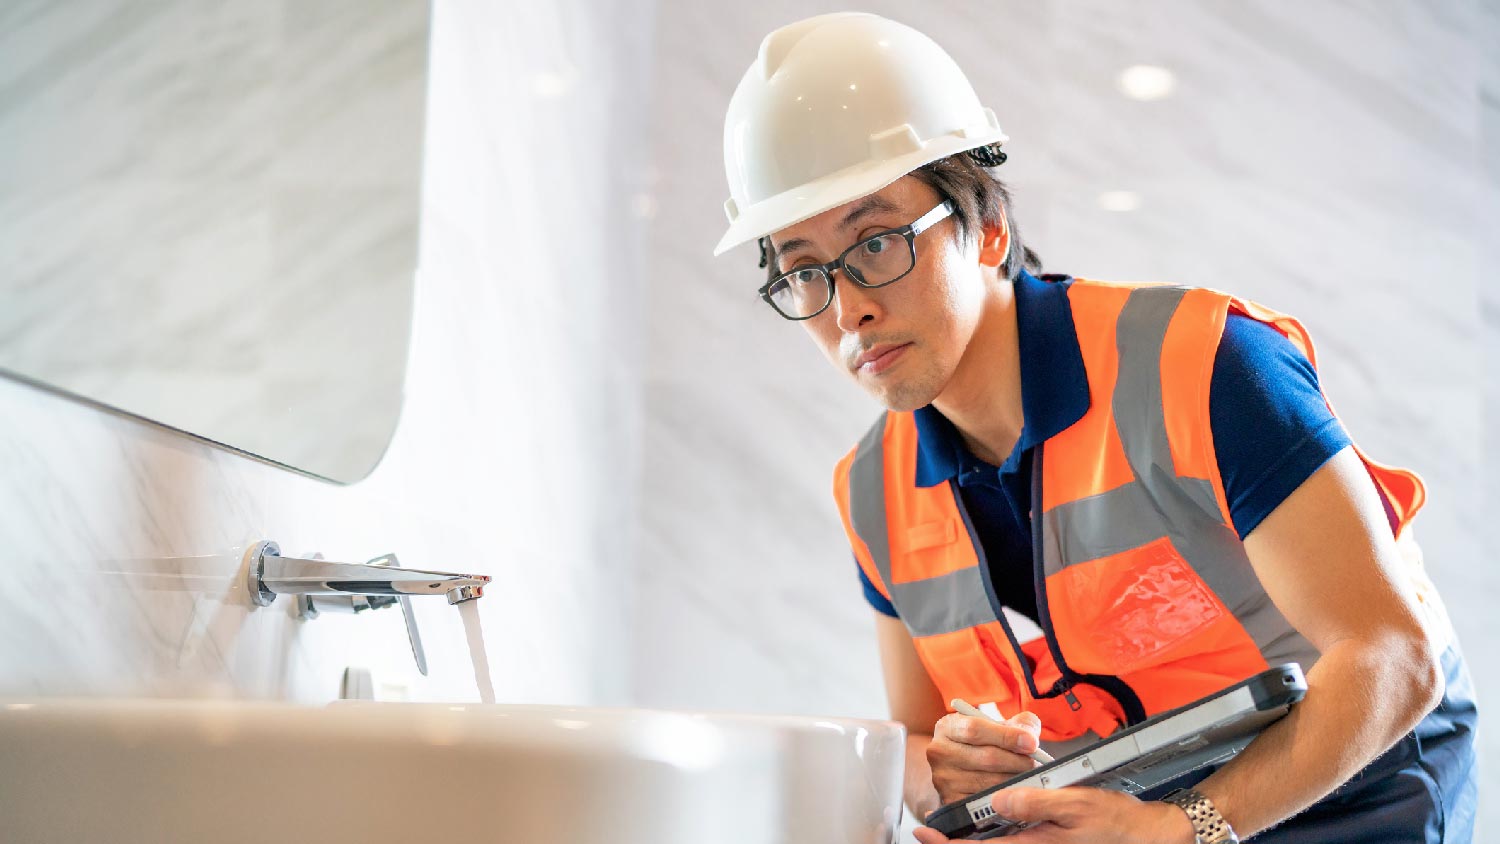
(1054, 385)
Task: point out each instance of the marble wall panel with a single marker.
(516, 454)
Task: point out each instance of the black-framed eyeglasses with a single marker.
(880, 259)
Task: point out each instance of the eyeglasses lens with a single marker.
(880, 260)
(800, 294)
(874, 262)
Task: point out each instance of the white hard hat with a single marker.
(836, 107)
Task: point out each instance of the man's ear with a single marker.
(994, 245)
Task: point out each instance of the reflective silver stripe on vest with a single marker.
(1158, 503)
(944, 604)
(1132, 515)
(867, 498)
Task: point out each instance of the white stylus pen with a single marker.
(963, 707)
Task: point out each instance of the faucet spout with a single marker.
(353, 587)
(465, 593)
(271, 574)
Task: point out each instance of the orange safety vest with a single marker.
(1147, 600)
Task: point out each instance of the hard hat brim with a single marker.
(790, 207)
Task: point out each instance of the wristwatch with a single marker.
(1208, 825)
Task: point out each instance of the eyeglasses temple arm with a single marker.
(933, 217)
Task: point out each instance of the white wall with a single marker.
(1333, 159)
(516, 454)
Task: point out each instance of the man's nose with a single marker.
(852, 303)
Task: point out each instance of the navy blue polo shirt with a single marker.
(1272, 430)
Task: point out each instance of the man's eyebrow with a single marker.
(792, 245)
(867, 206)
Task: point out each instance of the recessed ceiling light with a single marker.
(1119, 200)
(1146, 82)
(549, 85)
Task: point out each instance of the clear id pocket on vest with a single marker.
(1130, 610)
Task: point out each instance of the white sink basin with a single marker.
(220, 771)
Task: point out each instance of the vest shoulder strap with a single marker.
(859, 488)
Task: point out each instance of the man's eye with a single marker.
(875, 246)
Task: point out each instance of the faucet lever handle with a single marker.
(412, 633)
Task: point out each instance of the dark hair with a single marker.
(979, 200)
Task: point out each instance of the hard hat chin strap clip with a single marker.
(988, 155)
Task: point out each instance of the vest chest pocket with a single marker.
(931, 549)
(931, 535)
(1133, 609)
(939, 587)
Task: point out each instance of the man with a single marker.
(1149, 476)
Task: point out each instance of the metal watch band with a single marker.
(1208, 825)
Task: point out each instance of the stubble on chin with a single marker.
(911, 384)
(903, 395)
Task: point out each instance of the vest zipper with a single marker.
(989, 589)
(1130, 702)
(1113, 686)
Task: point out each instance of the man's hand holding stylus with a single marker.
(971, 753)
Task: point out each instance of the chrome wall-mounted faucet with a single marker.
(322, 586)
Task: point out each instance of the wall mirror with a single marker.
(209, 215)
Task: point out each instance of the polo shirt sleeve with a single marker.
(1272, 428)
(877, 600)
